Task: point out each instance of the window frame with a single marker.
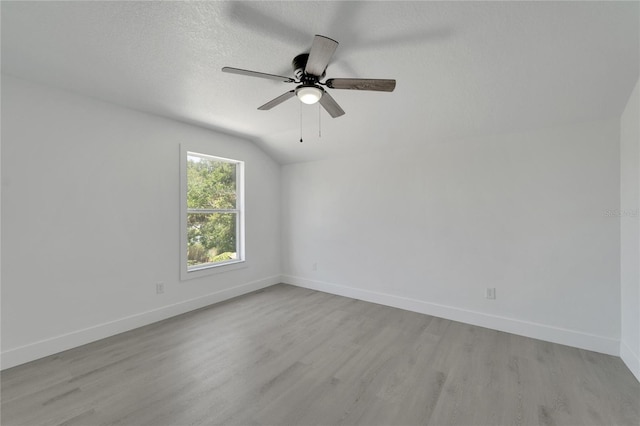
(197, 271)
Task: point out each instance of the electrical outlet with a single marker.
(314, 267)
(159, 288)
(490, 293)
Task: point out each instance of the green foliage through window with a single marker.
(212, 210)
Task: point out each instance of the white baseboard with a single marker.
(631, 359)
(42, 348)
(510, 325)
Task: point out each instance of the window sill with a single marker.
(212, 270)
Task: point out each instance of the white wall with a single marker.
(429, 229)
(630, 232)
(90, 220)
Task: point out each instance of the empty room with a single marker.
(320, 213)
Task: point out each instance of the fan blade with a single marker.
(258, 74)
(362, 84)
(321, 52)
(331, 105)
(277, 101)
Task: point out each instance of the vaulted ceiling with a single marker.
(462, 68)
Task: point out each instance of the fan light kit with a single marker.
(309, 94)
(309, 69)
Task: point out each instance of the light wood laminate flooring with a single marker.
(292, 356)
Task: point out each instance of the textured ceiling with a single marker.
(462, 68)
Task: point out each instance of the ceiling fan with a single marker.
(309, 69)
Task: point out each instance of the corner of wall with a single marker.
(631, 359)
(629, 213)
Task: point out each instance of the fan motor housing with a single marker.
(299, 63)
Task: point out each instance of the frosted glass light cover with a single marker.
(309, 95)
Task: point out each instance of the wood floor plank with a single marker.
(292, 356)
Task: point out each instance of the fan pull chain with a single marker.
(319, 122)
(300, 121)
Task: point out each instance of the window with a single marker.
(212, 207)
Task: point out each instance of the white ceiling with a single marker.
(462, 68)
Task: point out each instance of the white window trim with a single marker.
(218, 267)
